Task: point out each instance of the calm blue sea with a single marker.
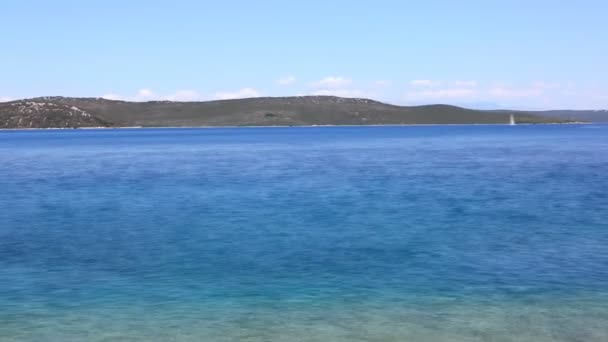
(435, 233)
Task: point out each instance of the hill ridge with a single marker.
(61, 112)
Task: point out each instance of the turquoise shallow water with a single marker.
(443, 233)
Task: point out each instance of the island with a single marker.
(70, 112)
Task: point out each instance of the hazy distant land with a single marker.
(67, 112)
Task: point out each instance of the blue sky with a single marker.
(519, 54)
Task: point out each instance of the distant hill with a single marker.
(66, 112)
(578, 115)
(47, 114)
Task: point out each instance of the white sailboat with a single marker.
(512, 120)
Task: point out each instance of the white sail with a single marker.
(512, 120)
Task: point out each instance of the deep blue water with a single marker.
(434, 233)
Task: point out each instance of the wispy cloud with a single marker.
(440, 94)
(112, 97)
(435, 83)
(530, 95)
(333, 82)
(424, 83)
(513, 92)
(469, 83)
(239, 94)
(340, 92)
(286, 81)
(534, 94)
(336, 86)
(184, 95)
(5, 99)
(146, 94)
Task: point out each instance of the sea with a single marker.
(400, 233)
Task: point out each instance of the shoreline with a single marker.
(288, 126)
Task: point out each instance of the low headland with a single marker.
(70, 112)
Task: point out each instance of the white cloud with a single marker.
(286, 81)
(537, 95)
(432, 83)
(5, 99)
(112, 97)
(472, 90)
(145, 95)
(340, 92)
(184, 95)
(333, 82)
(239, 94)
(340, 86)
(511, 92)
(424, 83)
